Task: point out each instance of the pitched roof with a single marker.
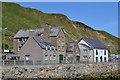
(95, 43)
(70, 47)
(86, 46)
(43, 41)
(25, 33)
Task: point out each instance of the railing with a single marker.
(19, 62)
(30, 62)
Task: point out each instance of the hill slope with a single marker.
(15, 17)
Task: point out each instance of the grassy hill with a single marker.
(15, 17)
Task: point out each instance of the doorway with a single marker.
(100, 58)
(60, 58)
(78, 58)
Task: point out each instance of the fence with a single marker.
(19, 62)
(30, 62)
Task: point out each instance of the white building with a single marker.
(92, 50)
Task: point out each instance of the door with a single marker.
(78, 58)
(96, 59)
(60, 58)
(104, 59)
(100, 58)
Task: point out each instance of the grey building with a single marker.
(38, 49)
(55, 35)
(73, 54)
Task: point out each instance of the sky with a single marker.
(98, 15)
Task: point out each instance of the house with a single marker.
(92, 50)
(73, 54)
(115, 57)
(38, 48)
(54, 34)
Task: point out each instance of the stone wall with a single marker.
(60, 71)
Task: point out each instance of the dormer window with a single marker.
(50, 47)
(41, 34)
(46, 48)
(53, 48)
(20, 39)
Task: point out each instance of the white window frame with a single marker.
(50, 48)
(27, 57)
(54, 57)
(46, 57)
(63, 39)
(50, 57)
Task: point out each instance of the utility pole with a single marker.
(75, 51)
(4, 38)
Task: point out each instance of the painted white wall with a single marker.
(100, 53)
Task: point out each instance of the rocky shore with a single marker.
(61, 71)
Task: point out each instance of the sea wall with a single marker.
(59, 71)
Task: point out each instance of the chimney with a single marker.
(31, 33)
(47, 29)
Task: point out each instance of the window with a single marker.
(46, 57)
(104, 52)
(27, 57)
(63, 39)
(54, 57)
(62, 47)
(96, 52)
(20, 39)
(85, 50)
(96, 59)
(58, 47)
(85, 57)
(20, 47)
(59, 38)
(50, 47)
(50, 57)
(53, 48)
(46, 48)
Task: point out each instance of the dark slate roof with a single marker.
(70, 47)
(95, 43)
(43, 41)
(24, 33)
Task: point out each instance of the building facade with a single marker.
(54, 34)
(73, 54)
(92, 50)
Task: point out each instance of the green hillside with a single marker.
(15, 17)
